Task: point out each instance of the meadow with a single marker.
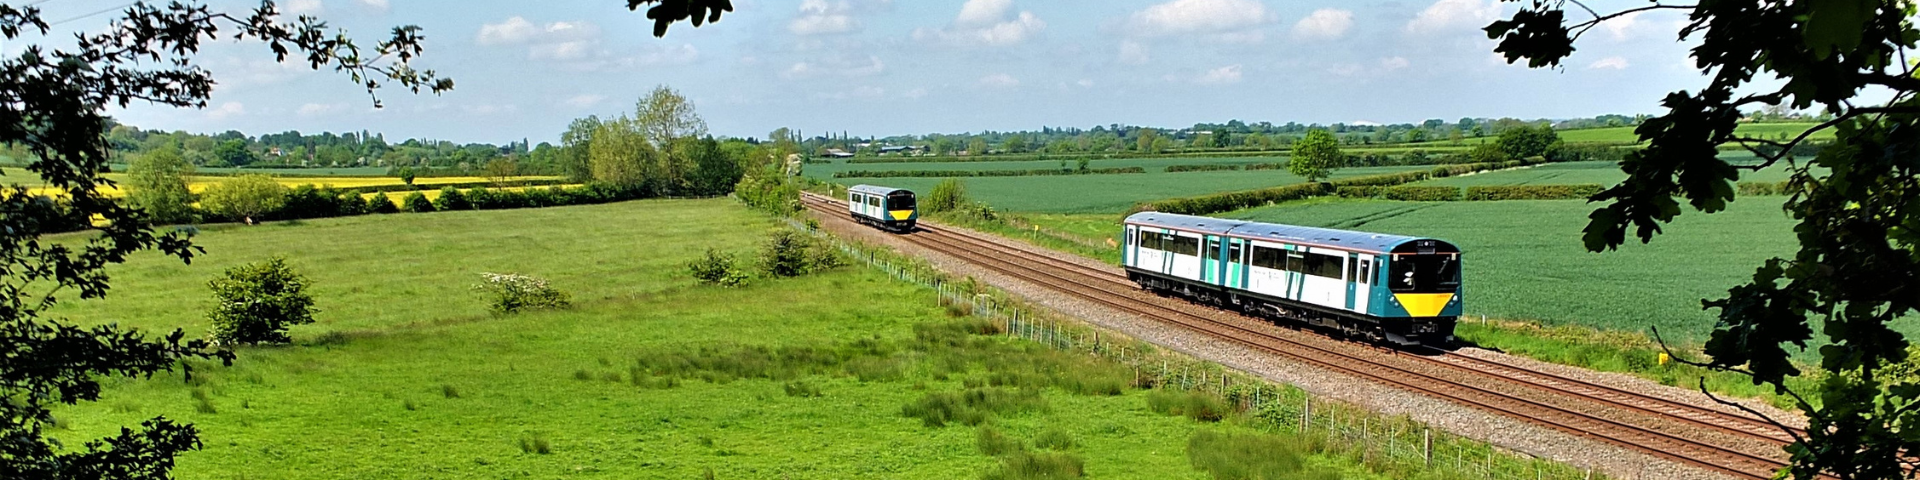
(1109, 194)
(1573, 173)
(406, 375)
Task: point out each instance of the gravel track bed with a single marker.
(1509, 433)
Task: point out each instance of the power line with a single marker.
(82, 17)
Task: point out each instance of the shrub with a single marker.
(1201, 168)
(1764, 188)
(244, 197)
(790, 253)
(416, 202)
(1533, 192)
(451, 199)
(946, 196)
(717, 269)
(257, 302)
(511, 293)
(379, 203)
(1193, 405)
(308, 201)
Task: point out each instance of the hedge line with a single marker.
(437, 186)
(1404, 193)
(1478, 193)
(1763, 188)
(308, 201)
(981, 173)
(1201, 168)
(1229, 201)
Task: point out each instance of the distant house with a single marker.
(904, 150)
(838, 153)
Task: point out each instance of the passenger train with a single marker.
(1404, 290)
(889, 208)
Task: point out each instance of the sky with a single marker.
(523, 70)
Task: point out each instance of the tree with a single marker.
(245, 197)
(233, 153)
(621, 156)
(406, 175)
(575, 144)
(501, 170)
(1857, 203)
(157, 185)
(58, 100)
(1015, 144)
(977, 146)
(948, 195)
(663, 118)
(1144, 140)
(1316, 156)
(1528, 142)
(256, 303)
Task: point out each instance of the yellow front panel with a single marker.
(1423, 304)
(901, 214)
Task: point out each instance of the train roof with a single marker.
(876, 189)
(1322, 237)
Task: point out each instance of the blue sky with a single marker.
(884, 67)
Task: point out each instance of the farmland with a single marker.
(1570, 173)
(199, 184)
(1099, 193)
(406, 376)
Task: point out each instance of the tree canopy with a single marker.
(1856, 202)
(1316, 156)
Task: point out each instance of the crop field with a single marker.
(1111, 194)
(199, 184)
(1570, 173)
(406, 376)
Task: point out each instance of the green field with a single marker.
(406, 376)
(1108, 194)
(1152, 165)
(1571, 173)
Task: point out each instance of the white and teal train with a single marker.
(1404, 290)
(888, 208)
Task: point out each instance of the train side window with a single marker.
(1213, 249)
(1188, 246)
(1366, 271)
(1296, 262)
(1235, 253)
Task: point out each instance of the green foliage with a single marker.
(792, 253)
(1402, 192)
(1211, 167)
(992, 443)
(244, 197)
(972, 406)
(948, 195)
(1241, 456)
(380, 203)
(1488, 153)
(983, 173)
(451, 200)
(1528, 142)
(1765, 188)
(1533, 192)
(1230, 201)
(1857, 213)
(416, 202)
(535, 444)
(717, 269)
(509, 293)
(157, 184)
(1054, 439)
(1197, 406)
(1038, 466)
(1316, 156)
(256, 303)
(406, 176)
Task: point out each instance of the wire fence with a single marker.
(1380, 441)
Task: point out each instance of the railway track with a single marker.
(1395, 369)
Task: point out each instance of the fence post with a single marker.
(1427, 446)
(1306, 413)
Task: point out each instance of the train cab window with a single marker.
(1437, 273)
(900, 201)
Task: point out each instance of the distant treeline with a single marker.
(1230, 201)
(982, 173)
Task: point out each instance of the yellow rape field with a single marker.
(199, 184)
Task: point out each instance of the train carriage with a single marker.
(889, 208)
(1401, 289)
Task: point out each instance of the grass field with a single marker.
(1110, 194)
(406, 376)
(199, 184)
(1603, 173)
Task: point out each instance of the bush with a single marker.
(451, 199)
(1764, 188)
(244, 197)
(1533, 192)
(946, 196)
(256, 303)
(1193, 405)
(308, 201)
(717, 269)
(511, 293)
(379, 203)
(790, 253)
(416, 202)
(1201, 168)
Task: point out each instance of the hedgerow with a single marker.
(1201, 168)
(1533, 192)
(981, 173)
(1764, 188)
(1229, 201)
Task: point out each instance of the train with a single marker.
(892, 209)
(1370, 286)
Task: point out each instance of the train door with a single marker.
(1210, 265)
(1236, 263)
(1352, 274)
(1127, 255)
(1363, 284)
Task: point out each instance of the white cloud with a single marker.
(578, 46)
(1324, 24)
(990, 23)
(999, 80)
(305, 7)
(514, 31)
(319, 109)
(227, 110)
(864, 92)
(1181, 17)
(841, 67)
(1454, 15)
(1133, 53)
(1220, 76)
(1394, 63)
(585, 100)
(1621, 26)
(380, 5)
(1610, 63)
(820, 17)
